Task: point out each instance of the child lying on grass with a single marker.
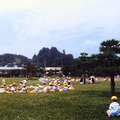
(114, 108)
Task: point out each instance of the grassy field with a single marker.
(86, 102)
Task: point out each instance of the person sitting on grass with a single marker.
(51, 87)
(2, 89)
(14, 85)
(37, 88)
(44, 80)
(21, 84)
(13, 88)
(5, 86)
(58, 85)
(23, 90)
(65, 88)
(9, 89)
(55, 88)
(114, 108)
(70, 87)
(46, 89)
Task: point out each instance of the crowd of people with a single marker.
(12, 88)
(92, 79)
(48, 85)
(88, 80)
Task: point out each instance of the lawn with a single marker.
(86, 102)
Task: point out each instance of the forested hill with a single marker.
(46, 57)
(11, 59)
(52, 57)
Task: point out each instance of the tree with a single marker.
(31, 70)
(66, 70)
(108, 61)
(83, 64)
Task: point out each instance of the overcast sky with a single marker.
(26, 26)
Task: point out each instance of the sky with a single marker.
(26, 26)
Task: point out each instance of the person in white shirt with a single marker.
(13, 89)
(114, 108)
(2, 89)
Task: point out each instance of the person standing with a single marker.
(63, 80)
(25, 81)
(44, 80)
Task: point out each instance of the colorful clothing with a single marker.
(13, 89)
(23, 90)
(44, 81)
(37, 89)
(65, 88)
(25, 82)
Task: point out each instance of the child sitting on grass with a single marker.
(114, 108)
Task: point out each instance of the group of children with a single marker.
(53, 85)
(12, 88)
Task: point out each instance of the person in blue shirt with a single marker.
(58, 85)
(23, 90)
(37, 88)
(21, 84)
(25, 81)
(66, 87)
(63, 80)
(55, 88)
(44, 80)
(114, 108)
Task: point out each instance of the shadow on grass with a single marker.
(97, 93)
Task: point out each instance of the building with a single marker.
(54, 70)
(6, 69)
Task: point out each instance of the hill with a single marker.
(52, 57)
(11, 59)
(46, 57)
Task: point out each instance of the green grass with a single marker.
(86, 102)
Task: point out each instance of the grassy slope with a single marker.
(86, 102)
